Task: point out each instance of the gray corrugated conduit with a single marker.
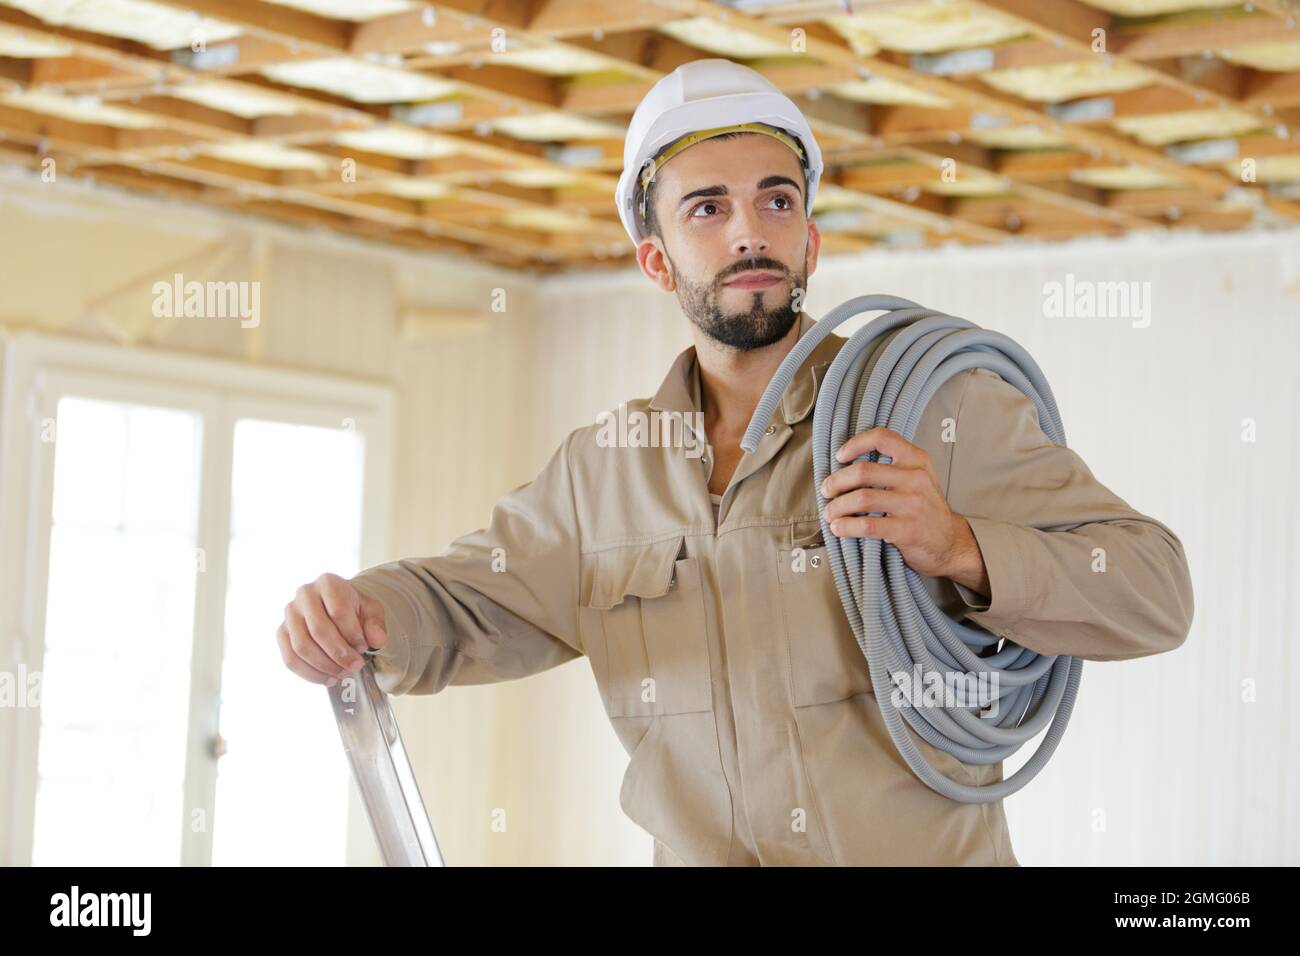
(897, 625)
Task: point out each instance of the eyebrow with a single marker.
(766, 182)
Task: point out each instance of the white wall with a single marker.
(1164, 750)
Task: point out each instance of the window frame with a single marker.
(39, 370)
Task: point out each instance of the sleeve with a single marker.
(1072, 568)
(500, 603)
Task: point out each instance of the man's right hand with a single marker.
(327, 627)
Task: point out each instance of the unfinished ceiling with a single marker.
(493, 129)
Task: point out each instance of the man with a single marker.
(728, 668)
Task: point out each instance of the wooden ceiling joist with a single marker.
(515, 160)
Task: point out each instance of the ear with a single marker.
(652, 259)
(814, 248)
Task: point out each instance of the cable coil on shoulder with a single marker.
(897, 624)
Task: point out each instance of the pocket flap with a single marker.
(806, 534)
(643, 570)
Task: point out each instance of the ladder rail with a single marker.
(383, 772)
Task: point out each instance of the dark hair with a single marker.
(650, 226)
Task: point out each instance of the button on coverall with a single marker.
(726, 665)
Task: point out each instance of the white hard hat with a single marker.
(708, 97)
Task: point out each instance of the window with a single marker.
(295, 510)
(118, 633)
(159, 511)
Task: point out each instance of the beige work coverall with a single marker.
(732, 679)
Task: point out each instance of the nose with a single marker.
(750, 246)
(747, 238)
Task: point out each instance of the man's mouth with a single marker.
(753, 280)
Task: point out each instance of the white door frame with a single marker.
(38, 369)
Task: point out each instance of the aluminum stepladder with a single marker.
(383, 772)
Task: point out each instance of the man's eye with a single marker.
(704, 205)
(789, 203)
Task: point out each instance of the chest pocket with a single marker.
(826, 663)
(648, 603)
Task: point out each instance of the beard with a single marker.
(759, 325)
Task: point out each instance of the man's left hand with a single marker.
(932, 539)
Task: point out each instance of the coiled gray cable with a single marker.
(897, 624)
